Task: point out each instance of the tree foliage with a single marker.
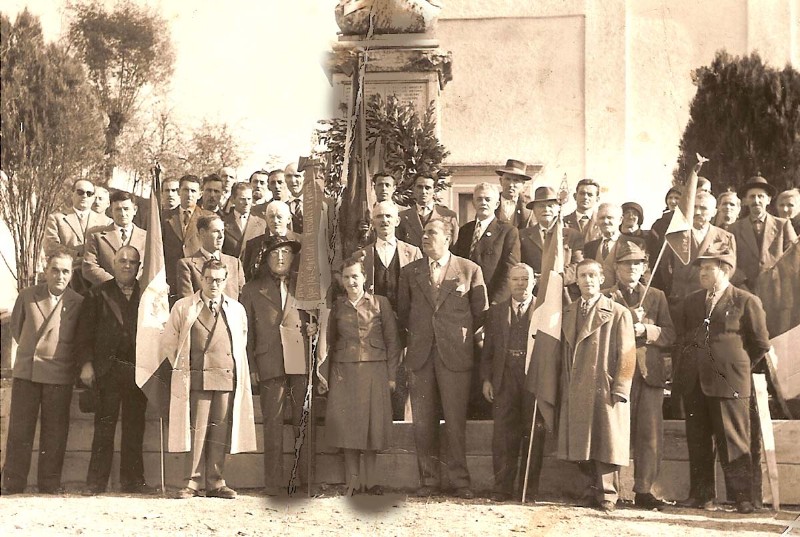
(212, 146)
(745, 117)
(52, 133)
(408, 140)
(124, 50)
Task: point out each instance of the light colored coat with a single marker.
(597, 362)
(176, 347)
(46, 351)
(102, 246)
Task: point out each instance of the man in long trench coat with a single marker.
(598, 361)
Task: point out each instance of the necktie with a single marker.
(186, 216)
(435, 272)
(124, 233)
(242, 222)
(542, 236)
(582, 222)
(584, 307)
(284, 293)
(710, 303)
(604, 249)
(212, 305)
(476, 236)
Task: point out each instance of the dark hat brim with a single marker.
(513, 171)
(533, 202)
(294, 245)
(771, 190)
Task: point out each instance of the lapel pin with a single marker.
(488, 233)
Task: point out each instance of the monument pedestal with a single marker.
(411, 67)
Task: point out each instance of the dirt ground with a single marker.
(393, 514)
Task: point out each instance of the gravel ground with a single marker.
(398, 515)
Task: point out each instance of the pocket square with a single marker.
(461, 288)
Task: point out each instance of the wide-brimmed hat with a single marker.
(720, 250)
(543, 193)
(629, 251)
(636, 207)
(515, 167)
(757, 182)
(276, 241)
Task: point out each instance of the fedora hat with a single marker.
(756, 182)
(543, 193)
(720, 250)
(276, 241)
(630, 251)
(515, 167)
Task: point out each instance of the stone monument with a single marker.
(396, 40)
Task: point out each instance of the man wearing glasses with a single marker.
(72, 227)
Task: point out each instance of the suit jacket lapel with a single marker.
(722, 303)
(113, 303)
(449, 281)
(770, 230)
(568, 323)
(43, 301)
(488, 236)
(175, 222)
(506, 329)
(748, 236)
(271, 291)
(598, 315)
(74, 224)
(423, 277)
(111, 236)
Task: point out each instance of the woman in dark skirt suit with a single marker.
(360, 371)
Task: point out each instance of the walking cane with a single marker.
(530, 450)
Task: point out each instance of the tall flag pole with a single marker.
(152, 372)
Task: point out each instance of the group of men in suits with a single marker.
(440, 279)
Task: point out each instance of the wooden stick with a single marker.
(767, 436)
(530, 450)
(161, 430)
(653, 272)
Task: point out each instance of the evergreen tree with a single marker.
(52, 133)
(745, 118)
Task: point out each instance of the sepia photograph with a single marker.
(400, 267)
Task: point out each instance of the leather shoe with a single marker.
(648, 501)
(140, 488)
(499, 497)
(186, 492)
(224, 492)
(425, 491)
(698, 503)
(465, 493)
(744, 507)
(607, 506)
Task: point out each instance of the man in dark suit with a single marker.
(43, 324)
(513, 205)
(604, 249)
(278, 190)
(190, 269)
(723, 335)
(584, 219)
(103, 244)
(277, 364)
(494, 246)
(278, 219)
(106, 339)
(240, 224)
(213, 190)
(678, 280)
(384, 258)
(180, 229)
(294, 182)
(761, 238)
(72, 228)
(489, 242)
(414, 219)
(652, 326)
(545, 208)
(441, 303)
(503, 375)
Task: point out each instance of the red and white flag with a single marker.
(152, 372)
(678, 234)
(543, 355)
